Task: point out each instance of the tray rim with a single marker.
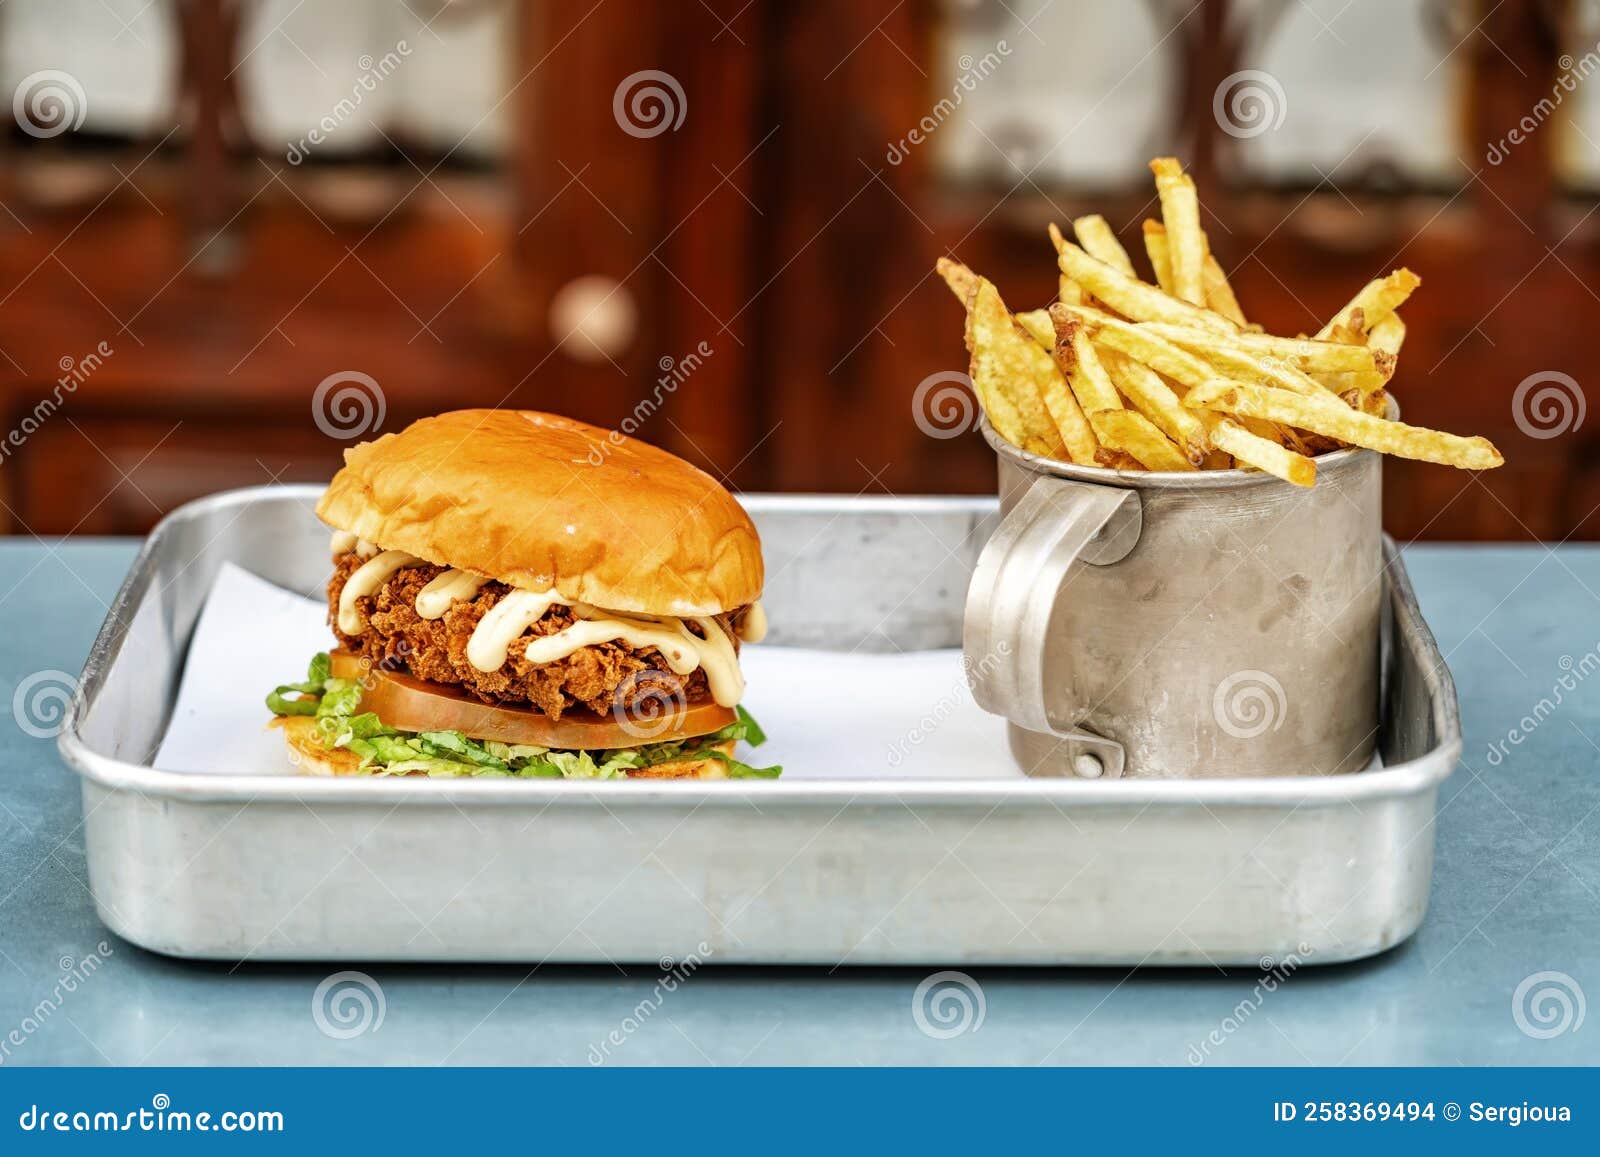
(1404, 779)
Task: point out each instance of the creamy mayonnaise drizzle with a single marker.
(506, 621)
(720, 662)
(754, 627)
(448, 586)
(681, 648)
(346, 543)
(365, 580)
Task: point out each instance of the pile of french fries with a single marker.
(1170, 376)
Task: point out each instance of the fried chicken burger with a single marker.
(519, 594)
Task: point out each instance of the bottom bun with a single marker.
(309, 754)
(311, 757)
(690, 768)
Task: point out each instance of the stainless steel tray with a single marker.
(1006, 871)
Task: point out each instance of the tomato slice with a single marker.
(407, 703)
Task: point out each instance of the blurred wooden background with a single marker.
(496, 215)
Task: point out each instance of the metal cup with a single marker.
(1193, 625)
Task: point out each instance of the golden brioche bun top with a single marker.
(544, 502)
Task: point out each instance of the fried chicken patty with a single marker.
(598, 677)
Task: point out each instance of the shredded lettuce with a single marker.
(510, 751)
(278, 705)
(582, 764)
(753, 735)
(335, 704)
(454, 745)
(738, 770)
(310, 692)
(366, 725)
(340, 698)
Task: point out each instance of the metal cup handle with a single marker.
(1014, 588)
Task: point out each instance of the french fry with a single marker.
(1132, 433)
(1090, 381)
(1155, 248)
(1352, 333)
(1263, 454)
(1075, 435)
(1117, 460)
(1266, 431)
(1131, 297)
(1076, 358)
(1308, 354)
(1219, 294)
(1376, 301)
(1300, 353)
(1140, 344)
(1351, 426)
(961, 280)
(1388, 335)
(1009, 373)
(1101, 243)
(1186, 240)
(1152, 397)
(1072, 425)
(1225, 354)
(1039, 327)
(1002, 412)
(1385, 338)
(1070, 291)
(964, 284)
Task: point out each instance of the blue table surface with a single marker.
(1516, 892)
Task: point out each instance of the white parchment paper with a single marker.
(827, 715)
